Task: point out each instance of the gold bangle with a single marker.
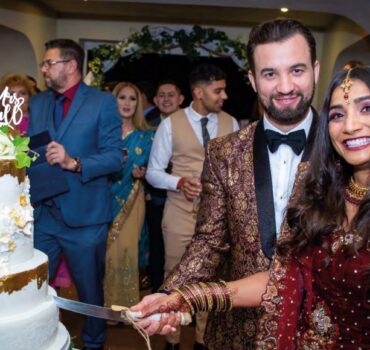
(229, 293)
(208, 294)
(186, 300)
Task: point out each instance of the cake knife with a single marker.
(114, 314)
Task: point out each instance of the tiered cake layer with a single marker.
(16, 217)
(29, 317)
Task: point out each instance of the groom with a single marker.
(248, 177)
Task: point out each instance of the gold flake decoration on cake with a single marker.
(17, 281)
(23, 200)
(18, 219)
(11, 246)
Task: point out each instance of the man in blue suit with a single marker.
(85, 129)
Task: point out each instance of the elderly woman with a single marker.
(317, 294)
(21, 86)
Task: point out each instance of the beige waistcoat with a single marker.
(188, 152)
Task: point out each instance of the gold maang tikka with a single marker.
(346, 86)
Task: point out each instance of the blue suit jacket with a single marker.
(92, 131)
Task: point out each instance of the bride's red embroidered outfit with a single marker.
(320, 300)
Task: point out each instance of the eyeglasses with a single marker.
(49, 63)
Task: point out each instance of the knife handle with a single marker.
(185, 317)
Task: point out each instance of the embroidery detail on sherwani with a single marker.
(227, 236)
(322, 332)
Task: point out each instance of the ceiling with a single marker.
(209, 12)
(317, 14)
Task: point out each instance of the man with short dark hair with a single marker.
(85, 127)
(168, 99)
(181, 139)
(249, 175)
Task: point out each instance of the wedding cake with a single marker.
(29, 317)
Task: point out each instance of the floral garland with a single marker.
(163, 40)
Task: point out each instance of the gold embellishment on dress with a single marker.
(355, 193)
(120, 201)
(320, 320)
(128, 133)
(17, 281)
(322, 332)
(138, 151)
(124, 212)
(342, 238)
(346, 86)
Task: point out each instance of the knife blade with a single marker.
(89, 309)
(112, 314)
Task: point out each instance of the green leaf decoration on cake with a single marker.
(15, 147)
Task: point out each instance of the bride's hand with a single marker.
(164, 304)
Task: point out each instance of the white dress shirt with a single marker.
(161, 152)
(283, 166)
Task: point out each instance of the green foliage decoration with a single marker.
(161, 41)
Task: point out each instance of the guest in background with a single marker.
(121, 285)
(21, 86)
(168, 99)
(182, 140)
(85, 126)
(151, 112)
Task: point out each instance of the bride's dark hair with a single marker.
(319, 209)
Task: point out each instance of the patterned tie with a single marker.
(296, 140)
(58, 111)
(205, 132)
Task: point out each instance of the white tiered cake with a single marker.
(29, 317)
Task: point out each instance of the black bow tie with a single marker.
(296, 140)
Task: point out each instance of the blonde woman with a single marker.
(121, 285)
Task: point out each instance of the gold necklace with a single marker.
(355, 193)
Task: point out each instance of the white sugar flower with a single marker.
(7, 149)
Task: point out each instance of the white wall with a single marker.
(342, 34)
(19, 55)
(37, 28)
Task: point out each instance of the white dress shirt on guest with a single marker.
(283, 166)
(161, 152)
